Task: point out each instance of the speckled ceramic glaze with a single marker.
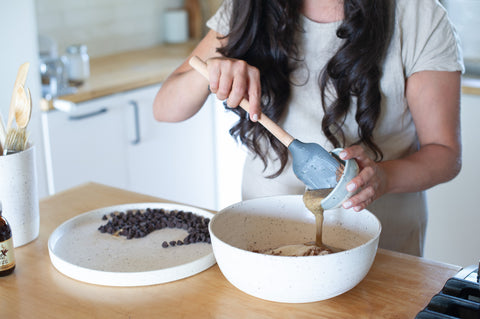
(19, 195)
(339, 194)
(78, 250)
(281, 220)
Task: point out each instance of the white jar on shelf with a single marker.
(78, 63)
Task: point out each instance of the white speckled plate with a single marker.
(78, 250)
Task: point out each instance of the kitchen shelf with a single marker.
(130, 70)
(144, 67)
(471, 85)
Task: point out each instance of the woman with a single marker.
(380, 78)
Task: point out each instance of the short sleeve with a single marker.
(429, 40)
(220, 21)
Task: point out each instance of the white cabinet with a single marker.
(174, 160)
(86, 145)
(453, 223)
(116, 141)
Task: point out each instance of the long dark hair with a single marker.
(263, 33)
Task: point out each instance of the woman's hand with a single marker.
(230, 80)
(233, 80)
(434, 102)
(371, 181)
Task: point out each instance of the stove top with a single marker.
(459, 298)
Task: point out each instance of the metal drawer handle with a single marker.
(87, 115)
(136, 119)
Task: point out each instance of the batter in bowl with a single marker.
(312, 200)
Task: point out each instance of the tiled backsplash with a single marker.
(105, 26)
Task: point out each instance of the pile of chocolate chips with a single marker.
(138, 224)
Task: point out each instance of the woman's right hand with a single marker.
(234, 80)
(230, 79)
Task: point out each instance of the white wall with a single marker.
(18, 38)
(453, 233)
(464, 15)
(105, 26)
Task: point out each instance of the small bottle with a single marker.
(7, 252)
(78, 64)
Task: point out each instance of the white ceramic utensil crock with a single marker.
(19, 195)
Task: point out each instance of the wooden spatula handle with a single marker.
(270, 125)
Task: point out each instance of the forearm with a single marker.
(434, 102)
(433, 98)
(180, 96)
(431, 165)
(185, 90)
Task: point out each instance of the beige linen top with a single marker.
(423, 39)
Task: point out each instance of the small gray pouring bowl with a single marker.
(340, 194)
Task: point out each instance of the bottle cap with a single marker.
(77, 48)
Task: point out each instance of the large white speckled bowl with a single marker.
(271, 222)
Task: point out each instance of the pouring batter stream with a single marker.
(312, 200)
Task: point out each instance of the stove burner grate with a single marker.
(459, 298)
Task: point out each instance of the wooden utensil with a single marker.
(195, 19)
(16, 141)
(17, 137)
(23, 107)
(20, 110)
(312, 164)
(3, 134)
(19, 82)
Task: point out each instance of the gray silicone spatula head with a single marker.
(313, 165)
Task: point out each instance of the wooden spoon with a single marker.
(312, 164)
(23, 107)
(18, 88)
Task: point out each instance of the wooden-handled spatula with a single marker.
(312, 164)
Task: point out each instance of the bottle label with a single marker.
(7, 255)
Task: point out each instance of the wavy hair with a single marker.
(264, 33)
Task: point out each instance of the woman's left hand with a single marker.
(371, 181)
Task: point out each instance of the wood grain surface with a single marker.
(397, 286)
(130, 70)
(135, 69)
(471, 85)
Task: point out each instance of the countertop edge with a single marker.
(130, 70)
(470, 85)
(135, 69)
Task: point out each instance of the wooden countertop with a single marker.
(134, 69)
(471, 85)
(130, 70)
(397, 286)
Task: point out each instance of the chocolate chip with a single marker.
(138, 224)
